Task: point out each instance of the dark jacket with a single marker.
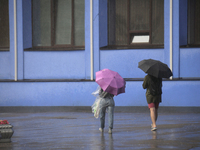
(146, 85)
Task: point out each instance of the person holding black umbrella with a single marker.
(156, 70)
(153, 96)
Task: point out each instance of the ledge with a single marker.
(55, 49)
(190, 46)
(88, 80)
(164, 79)
(49, 80)
(132, 47)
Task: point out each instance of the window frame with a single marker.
(131, 33)
(53, 46)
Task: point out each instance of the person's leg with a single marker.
(156, 110)
(153, 116)
(102, 117)
(156, 114)
(110, 116)
(152, 108)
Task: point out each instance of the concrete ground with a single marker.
(79, 131)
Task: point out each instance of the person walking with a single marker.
(110, 84)
(153, 88)
(106, 103)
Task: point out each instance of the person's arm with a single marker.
(145, 83)
(102, 93)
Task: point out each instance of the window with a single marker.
(58, 24)
(4, 25)
(193, 22)
(136, 23)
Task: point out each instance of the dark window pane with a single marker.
(41, 23)
(58, 23)
(139, 15)
(63, 22)
(157, 21)
(197, 22)
(79, 22)
(4, 24)
(111, 22)
(121, 22)
(193, 22)
(191, 4)
(132, 22)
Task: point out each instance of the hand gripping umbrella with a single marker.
(110, 81)
(155, 68)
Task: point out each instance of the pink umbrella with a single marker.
(110, 81)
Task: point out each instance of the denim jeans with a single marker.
(109, 104)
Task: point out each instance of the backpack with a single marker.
(155, 87)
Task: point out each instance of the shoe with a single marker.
(100, 129)
(110, 131)
(153, 129)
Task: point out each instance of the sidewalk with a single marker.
(79, 130)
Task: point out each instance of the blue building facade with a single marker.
(65, 77)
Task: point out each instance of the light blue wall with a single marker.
(20, 43)
(87, 40)
(181, 93)
(79, 94)
(189, 62)
(5, 66)
(54, 65)
(175, 40)
(46, 93)
(126, 61)
(76, 64)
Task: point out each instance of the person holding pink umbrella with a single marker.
(110, 84)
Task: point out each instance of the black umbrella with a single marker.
(155, 68)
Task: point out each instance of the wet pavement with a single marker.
(79, 131)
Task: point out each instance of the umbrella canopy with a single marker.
(155, 68)
(110, 81)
